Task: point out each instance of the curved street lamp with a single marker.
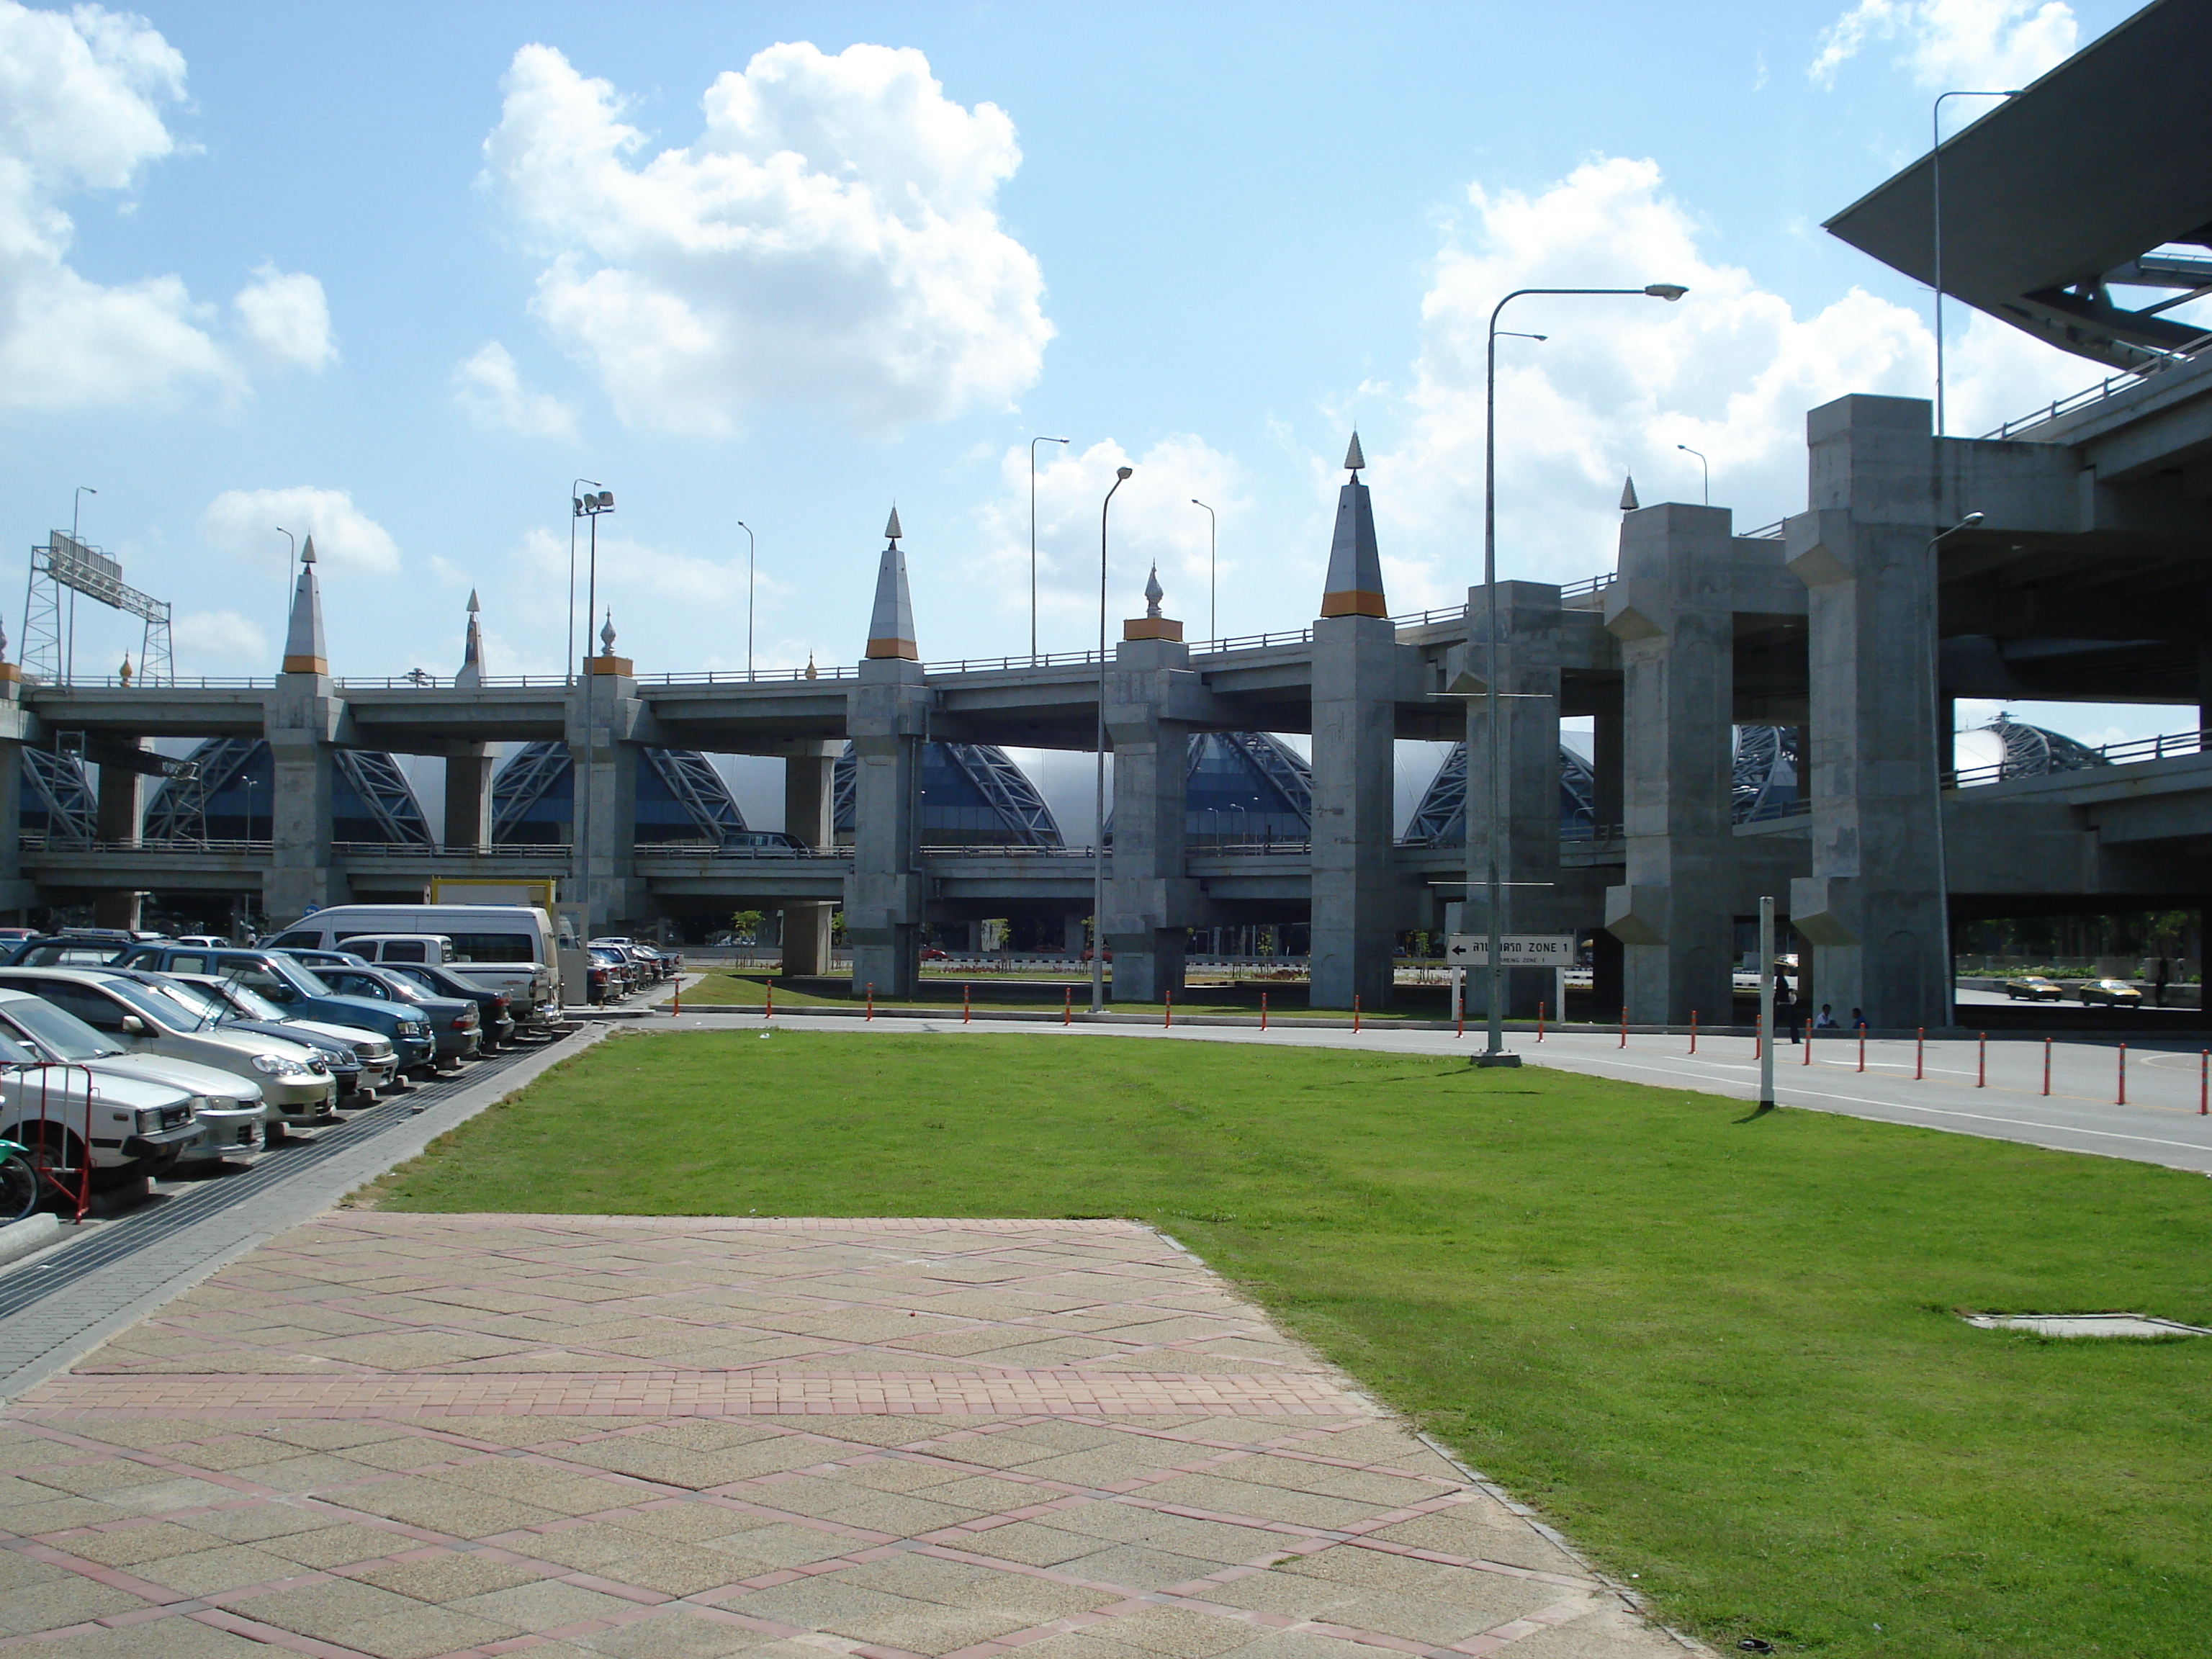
(1494, 1052)
(1098, 835)
(1213, 600)
(748, 529)
(1703, 462)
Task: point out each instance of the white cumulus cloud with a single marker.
(828, 239)
(1988, 44)
(218, 643)
(491, 392)
(82, 101)
(244, 523)
(1730, 370)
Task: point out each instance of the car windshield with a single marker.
(306, 984)
(168, 1012)
(405, 989)
(62, 1035)
(247, 1003)
(195, 1000)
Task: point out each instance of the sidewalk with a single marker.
(407, 1436)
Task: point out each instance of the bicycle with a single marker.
(20, 1185)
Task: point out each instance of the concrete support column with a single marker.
(1673, 610)
(468, 798)
(1874, 907)
(604, 736)
(15, 893)
(1355, 909)
(807, 800)
(886, 713)
(301, 720)
(1150, 902)
(1527, 803)
(122, 795)
(1606, 761)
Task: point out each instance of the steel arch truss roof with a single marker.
(2031, 752)
(538, 770)
(58, 782)
(1019, 815)
(522, 782)
(179, 810)
(1440, 820)
(1765, 785)
(692, 779)
(386, 793)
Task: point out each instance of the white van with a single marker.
(515, 948)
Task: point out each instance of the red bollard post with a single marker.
(871, 999)
(2204, 1081)
(1539, 1022)
(676, 1011)
(1919, 1052)
(1982, 1063)
(1067, 1004)
(963, 1005)
(1693, 1030)
(1263, 1010)
(1355, 1013)
(1167, 1009)
(2046, 1066)
(1808, 1043)
(1624, 1027)
(1862, 1051)
(767, 1008)
(2122, 1099)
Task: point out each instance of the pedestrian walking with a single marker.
(1784, 998)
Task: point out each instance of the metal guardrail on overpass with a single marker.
(2171, 746)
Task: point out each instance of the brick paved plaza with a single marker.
(408, 1435)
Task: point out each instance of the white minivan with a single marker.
(511, 947)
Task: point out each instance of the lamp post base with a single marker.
(1498, 1060)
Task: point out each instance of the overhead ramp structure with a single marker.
(2081, 211)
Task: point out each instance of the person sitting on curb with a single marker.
(1828, 1019)
(1858, 1020)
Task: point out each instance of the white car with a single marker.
(297, 1089)
(361, 1061)
(136, 1125)
(228, 1111)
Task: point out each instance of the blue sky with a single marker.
(398, 274)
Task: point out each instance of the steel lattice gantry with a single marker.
(972, 794)
(680, 797)
(59, 795)
(228, 796)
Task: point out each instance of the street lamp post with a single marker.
(1703, 462)
(1034, 442)
(249, 811)
(1944, 757)
(1936, 221)
(590, 506)
(1212, 601)
(1494, 1053)
(576, 504)
(1098, 835)
(748, 529)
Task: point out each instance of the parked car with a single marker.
(455, 1024)
(321, 959)
(138, 1123)
(72, 947)
(498, 1024)
(510, 946)
(2035, 988)
(613, 976)
(2109, 993)
(299, 993)
(644, 963)
(361, 1061)
(212, 941)
(297, 1090)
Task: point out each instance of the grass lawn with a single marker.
(722, 989)
(1718, 1349)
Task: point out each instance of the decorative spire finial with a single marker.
(890, 622)
(1153, 593)
(812, 672)
(471, 669)
(307, 552)
(1353, 460)
(473, 607)
(607, 634)
(303, 651)
(1628, 501)
(892, 531)
(1354, 584)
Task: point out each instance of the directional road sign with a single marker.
(1519, 951)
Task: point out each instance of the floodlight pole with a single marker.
(1213, 600)
(1098, 835)
(1494, 1052)
(576, 512)
(748, 529)
(1936, 221)
(1034, 442)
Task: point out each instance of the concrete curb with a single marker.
(20, 1239)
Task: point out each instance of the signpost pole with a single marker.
(1765, 1002)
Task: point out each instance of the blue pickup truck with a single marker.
(299, 993)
